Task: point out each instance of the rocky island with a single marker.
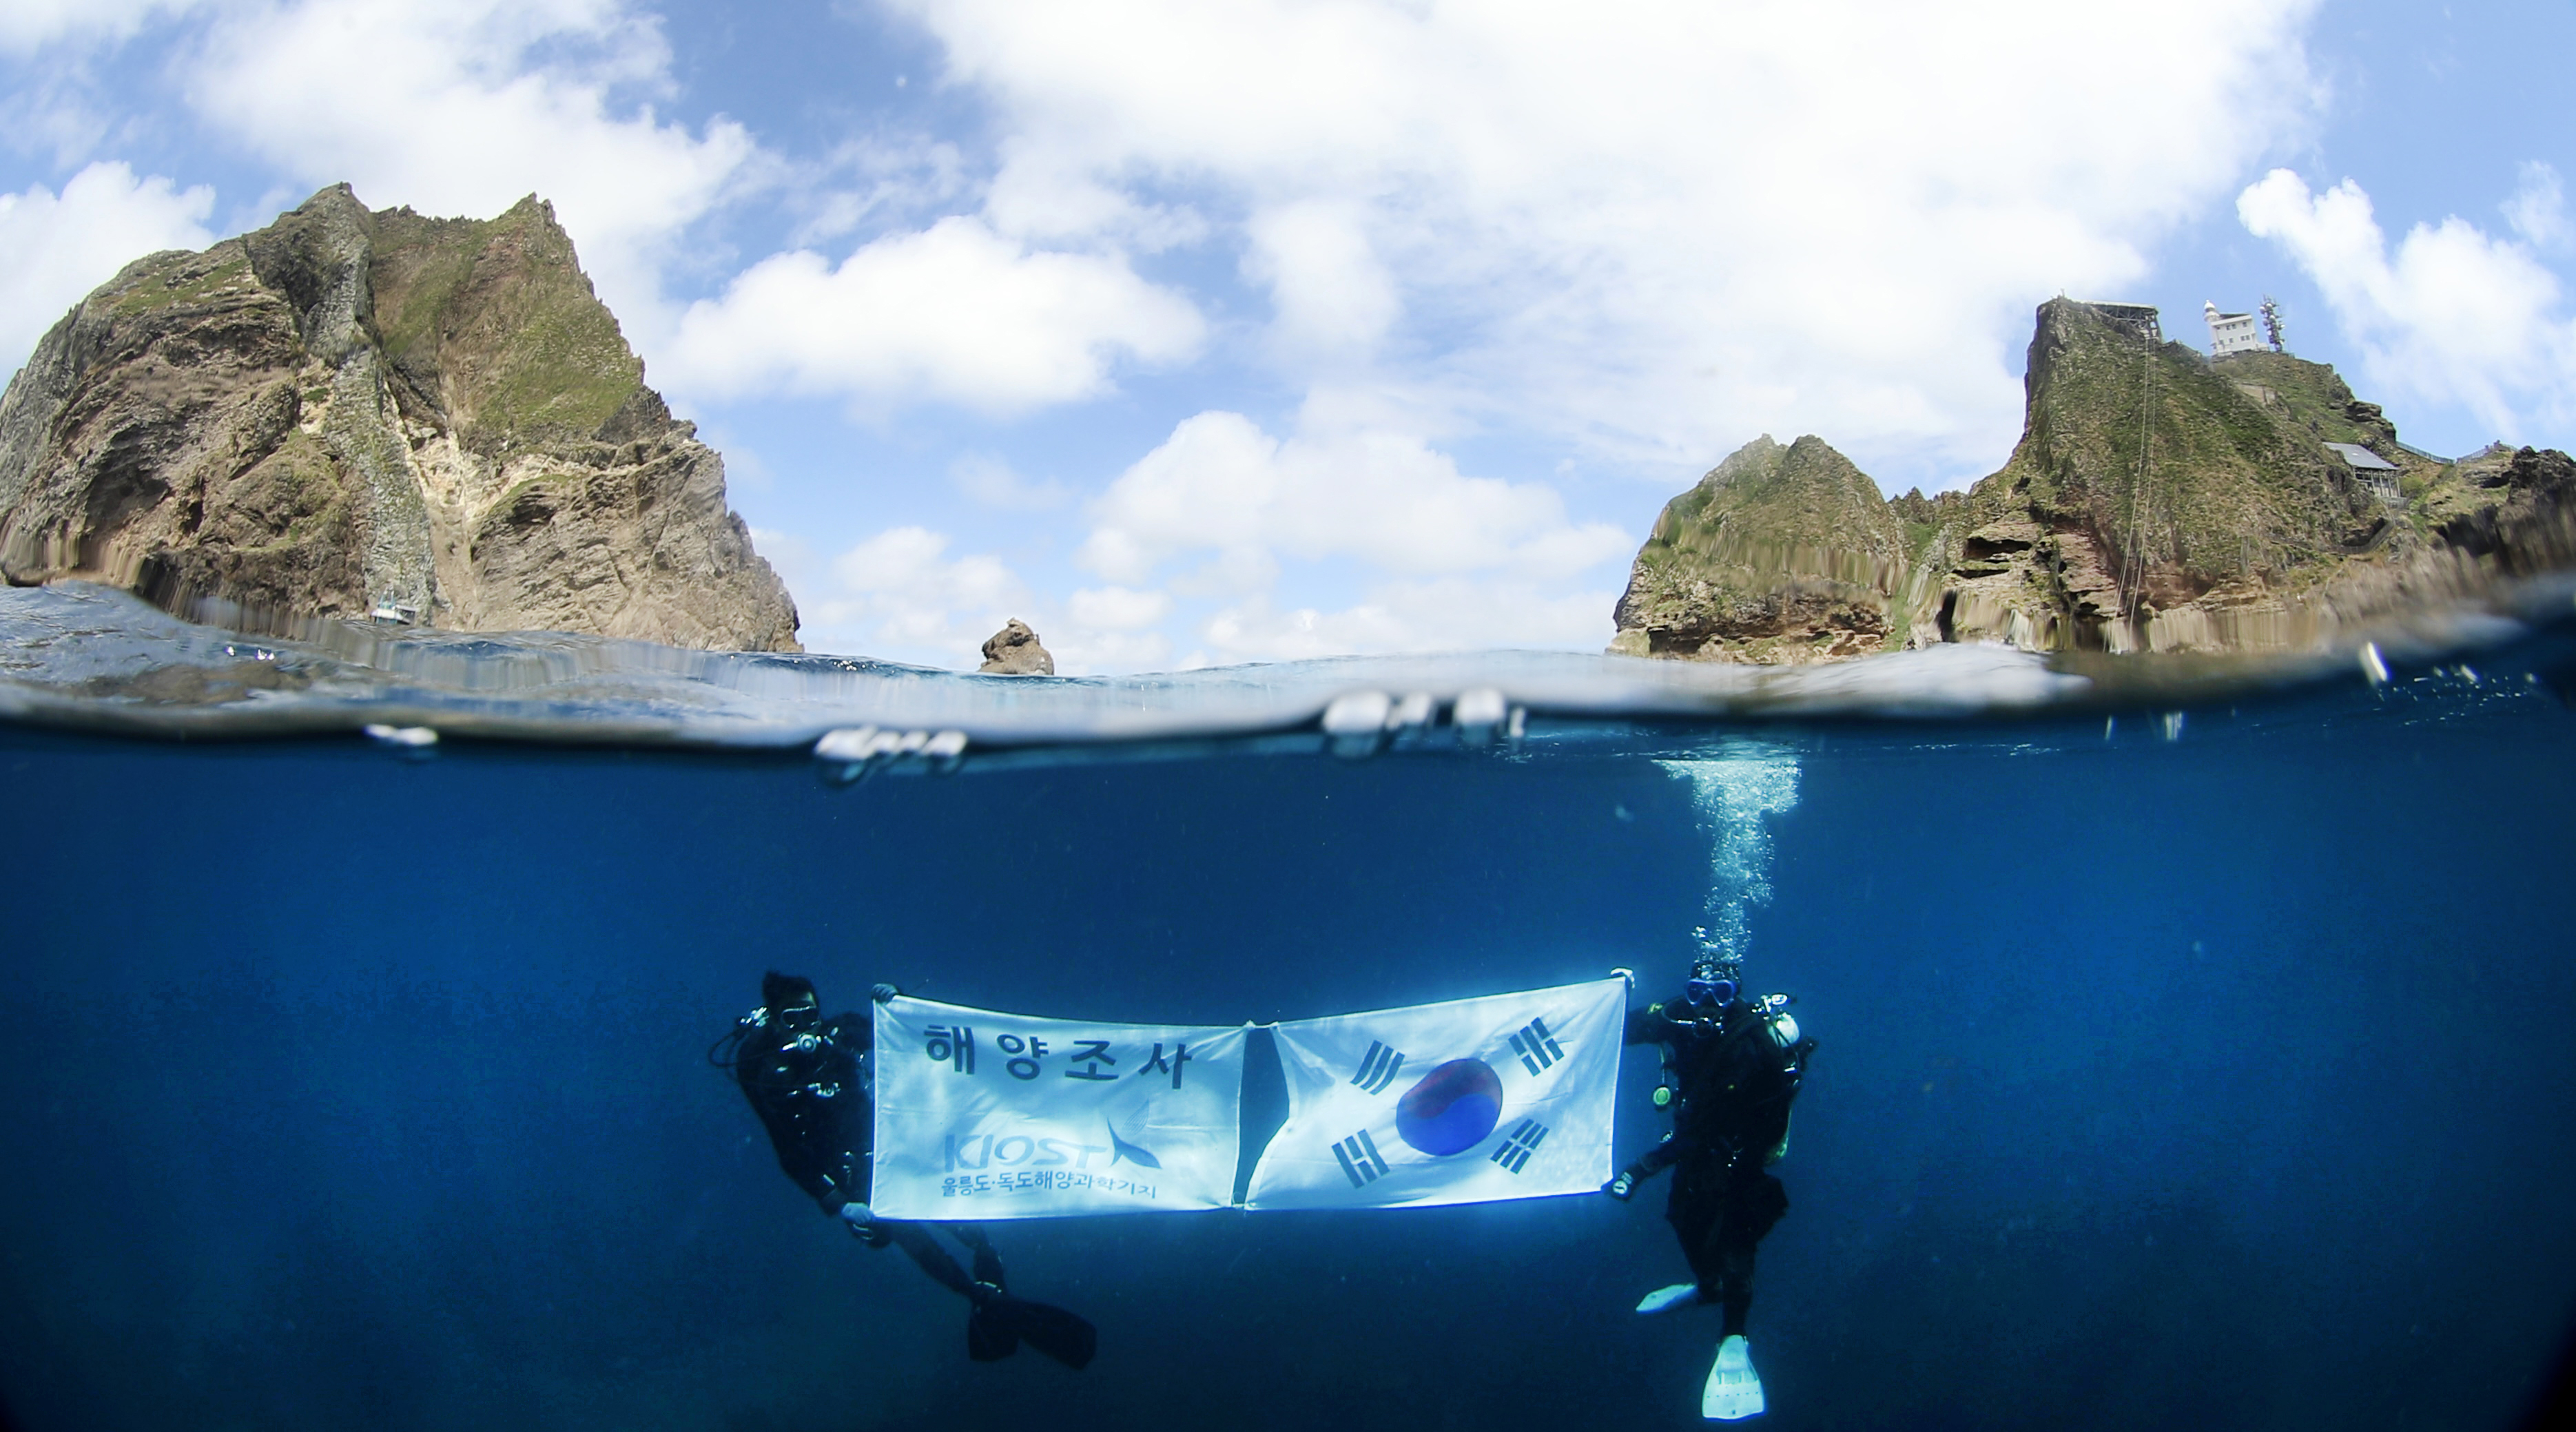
(375, 414)
(2158, 500)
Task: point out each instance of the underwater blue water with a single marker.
(2209, 1074)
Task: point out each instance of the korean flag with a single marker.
(1472, 1101)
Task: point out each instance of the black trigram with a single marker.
(1360, 1158)
(1536, 1047)
(1377, 1068)
(1517, 1146)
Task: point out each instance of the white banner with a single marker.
(1476, 1100)
(983, 1115)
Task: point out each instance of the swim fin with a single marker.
(1001, 1323)
(1664, 1300)
(1734, 1390)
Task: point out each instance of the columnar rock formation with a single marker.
(349, 413)
(1780, 554)
(2158, 500)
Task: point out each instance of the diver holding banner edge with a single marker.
(809, 1079)
(1733, 1067)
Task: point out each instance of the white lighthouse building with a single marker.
(2232, 332)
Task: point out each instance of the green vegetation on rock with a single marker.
(1779, 553)
(2178, 480)
(2157, 500)
(176, 278)
(495, 323)
(351, 413)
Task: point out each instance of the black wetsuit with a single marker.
(811, 1088)
(811, 1093)
(1730, 1118)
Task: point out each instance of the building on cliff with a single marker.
(2371, 468)
(2158, 500)
(2141, 319)
(2232, 332)
(354, 412)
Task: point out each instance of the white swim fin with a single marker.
(1664, 1300)
(1734, 1390)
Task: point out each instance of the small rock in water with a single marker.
(1014, 651)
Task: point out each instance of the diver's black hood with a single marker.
(778, 991)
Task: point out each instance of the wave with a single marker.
(91, 658)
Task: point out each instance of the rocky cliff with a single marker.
(2158, 500)
(1781, 554)
(352, 413)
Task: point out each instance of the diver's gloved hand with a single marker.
(864, 1225)
(883, 993)
(1622, 1188)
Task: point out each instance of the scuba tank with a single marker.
(1774, 1010)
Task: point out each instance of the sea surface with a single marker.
(2194, 1037)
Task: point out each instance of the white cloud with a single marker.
(956, 313)
(1108, 629)
(1454, 614)
(1082, 653)
(2538, 208)
(60, 246)
(2452, 315)
(900, 595)
(1446, 561)
(922, 606)
(29, 25)
(1223, 488)
(1036, 197)
(463, 107)
(1329, 289)
(1119, 608)
(911, 560)
(1656, 227)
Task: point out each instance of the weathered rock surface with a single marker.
(2158, 500)
(1780, 554)
(351, 412)
(2510, 505)
(1014, 651)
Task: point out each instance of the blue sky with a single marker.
(1196, 332)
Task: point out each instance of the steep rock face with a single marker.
(2150, 482)
(2511, 506)
(349, 412)
(2158, 500)
(1781, 554)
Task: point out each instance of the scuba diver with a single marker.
(1732, 1067)
(809, 1079)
